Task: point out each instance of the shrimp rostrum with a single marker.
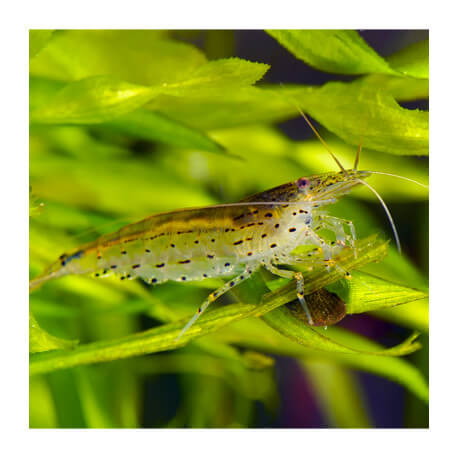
(229, 240)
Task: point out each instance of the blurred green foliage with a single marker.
(124, 124)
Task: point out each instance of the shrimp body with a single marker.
(220, 241)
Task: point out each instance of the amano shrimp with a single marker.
(221, 241)
(228, 240)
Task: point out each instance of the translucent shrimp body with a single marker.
(221, 241)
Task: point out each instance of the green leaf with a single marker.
(334, 51)
(246, 105)
(92, 100)
(400, 88)
(41, 341)
(35, 207)
(100, 98)
(218, 75)
(140, 123)
(137, 56)
(412, 60)
(414, 315)
(358, 112)
(339, 394)
(38, 39)
(354, 111)
(42, 411)
(364, 293)
(397, 268)
(66, 399)
(344, 51)
(287, 324)
(114, 185)
(158, 339)
(259, 336)
(157, 127)
(96, 402)
(41, 90)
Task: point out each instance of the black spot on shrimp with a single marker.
(66, 259)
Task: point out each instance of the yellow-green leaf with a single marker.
(218, 75)
(38, 39)
(360, 112)
(364, 293)
(41, 341)
(258, 335)
(412, 60)
(158, 127)
(141, 57)
(339, 394)
(334, 51)
(283, 321)
(92, 100)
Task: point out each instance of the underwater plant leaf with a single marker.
(141, 57)
(95, 183)
(257, 335)
(42, 411)
(141, 124)
(218, 75)
(333, 51)
(359, 112)
(346, 52)
(339, 394)
(397, 268)
(353, 111)
(42, 341)
(100, 99)
(153, 126)
(414, 315)
(364, 293)
(92, 100)
(38, 39)
(246, 105)
(35, 206)
(413, 60)
(94, 395)
(158, 339)
(287, 324)
(401, 88)
(41, 90)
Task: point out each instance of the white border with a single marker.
(241, 15)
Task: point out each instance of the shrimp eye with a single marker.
(303, 183)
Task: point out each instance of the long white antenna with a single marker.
(399, 176)
(387, 211)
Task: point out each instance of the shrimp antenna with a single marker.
(355, 165)
(401, 177)
(387, 211)
(360, 146)
(321, 140)
(316, 133)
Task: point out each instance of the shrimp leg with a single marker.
(299, 284)
(213, 296)
(336, 225)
